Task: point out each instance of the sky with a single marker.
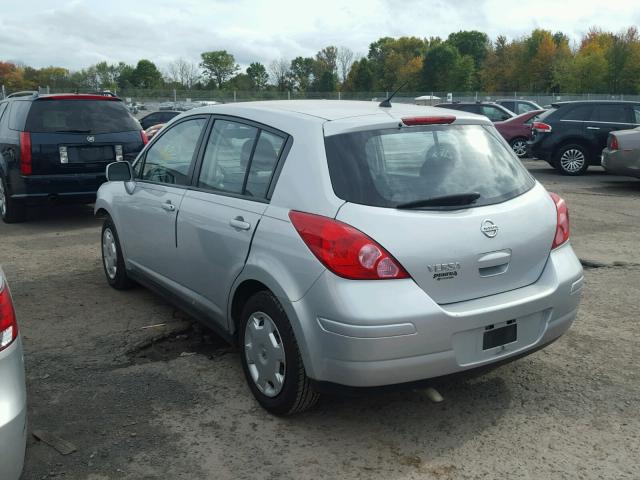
(77, 33)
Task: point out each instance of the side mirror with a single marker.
(119, 172)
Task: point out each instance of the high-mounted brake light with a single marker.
(144, 136)
(8, 324)
(432, 120)
(26, 167)
(612, 142)
(344, 250)
(541, 127)
(562, 221)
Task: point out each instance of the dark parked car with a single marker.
(57, 147)
(571, 135)
(519, 106)
(493, 111)
(517, 131)
(158, 117)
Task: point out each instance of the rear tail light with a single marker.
(8, 324)
(25, 153)
(541, 127)
(612, 142)
(432, 120)
(344, 250)
(145, 138)
(562, 222)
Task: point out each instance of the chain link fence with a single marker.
(155, 99)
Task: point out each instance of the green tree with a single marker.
(258, 75)
(360, 77)
(146, 75)
(439, 64)
(301, 71)
(219, 66)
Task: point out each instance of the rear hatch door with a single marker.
(496, 238)
(80, 133)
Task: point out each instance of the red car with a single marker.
(517, 131)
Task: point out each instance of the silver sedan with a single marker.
(622, 153)
(13, 394)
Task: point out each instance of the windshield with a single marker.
(80, 116)
(391, 167)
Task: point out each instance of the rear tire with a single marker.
(11, 210)
(112, 258)
(271, 358)
(519, 146)
(572, 159)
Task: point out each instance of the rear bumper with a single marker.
(13, 412)
(620, 162)
(80, 187)
(367, 334)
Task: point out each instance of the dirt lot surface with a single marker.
(179, 408)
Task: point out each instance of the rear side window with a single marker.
(524, 107)
(389, 167)
(494, 114)
(3, 107)
(508, 105)
(636, 114)
(579, 112)
(610, 113)
(17, 114)
(80, 116)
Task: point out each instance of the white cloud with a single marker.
(78, 33)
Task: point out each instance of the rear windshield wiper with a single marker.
(443, 201)
(72, 131)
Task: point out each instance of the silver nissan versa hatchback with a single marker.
(344, 243)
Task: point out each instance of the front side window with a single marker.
(391, 167)
(169, 159)
(610, 114)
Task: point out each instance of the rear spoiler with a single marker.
(82, 96)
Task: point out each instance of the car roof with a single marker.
(594, 102)
(336, 116)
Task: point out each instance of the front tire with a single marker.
(11, 211)
(572, 160)
(519, 146)
(112, 258)
(271, 358)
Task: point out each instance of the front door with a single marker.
(147, 217)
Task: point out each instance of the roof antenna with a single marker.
(386, 103)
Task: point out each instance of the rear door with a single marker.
(80, 134)
(147, 216)
(220, 214)
(606, 118)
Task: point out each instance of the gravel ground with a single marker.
(179, 408)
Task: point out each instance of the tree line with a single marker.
(540, 62)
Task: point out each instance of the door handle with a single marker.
(168, 206)
(239, 223)
(593, 128)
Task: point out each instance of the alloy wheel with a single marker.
(519, 148)
(572, 160)
(264, 351)
(109, 253)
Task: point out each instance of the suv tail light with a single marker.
(562, 222)
(612, 142)
(25, 153)
(8, 324)
(344, 250)
(541, 127)
(144, 136)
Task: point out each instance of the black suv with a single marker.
(156, 118)
(493, 111)
(571, 135)
(57, 146)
